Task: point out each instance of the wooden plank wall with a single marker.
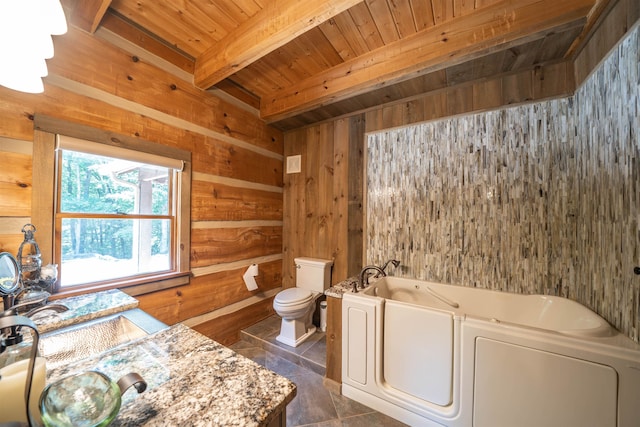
(236, 162)
(15, 191)
(613, 26)
(323, 209)
(549, 81)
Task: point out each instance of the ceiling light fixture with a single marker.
(26, 27)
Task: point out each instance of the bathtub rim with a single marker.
(602, 330)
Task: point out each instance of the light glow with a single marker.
(26, 27)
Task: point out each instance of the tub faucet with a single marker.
(395, 263)
(362, 281)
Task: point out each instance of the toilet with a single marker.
(297, 305)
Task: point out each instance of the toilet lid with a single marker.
(293, 296)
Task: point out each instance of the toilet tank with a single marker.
(313, 274)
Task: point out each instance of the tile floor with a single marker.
(313, 405)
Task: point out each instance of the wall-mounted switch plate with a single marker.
(294, 164)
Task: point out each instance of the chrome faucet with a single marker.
(16, 309)
(37, 305)
(58, 308)
(362, 282)
(13, 335)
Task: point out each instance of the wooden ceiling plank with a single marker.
(254, 84)
(456, 41)
(297, 62)
(172, 22)
(333, 34)
(319, 49)
(527, 54)
(263, 76)
(214, 18)
(422, 14)
(463, 7)
(366, 26)
(442, 10)
(239, 10)
(556, 45)
(460, 73)
(484, 3)
(272, 27)
(594, 17)
(87, 14)
(491, 65)
(383, 20)
(349, 30)
(403, 17)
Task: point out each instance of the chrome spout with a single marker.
(24, 305)
(13, 310)
(58, 308)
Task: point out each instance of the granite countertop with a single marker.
(83, 308)
(340, 288)
(192, 380)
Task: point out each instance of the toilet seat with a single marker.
(293, 296)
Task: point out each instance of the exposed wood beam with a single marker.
(87, 14)
(239, 93)
(277, 24)
(597, 13)
(435, 48)
(114, 25)
(139, 37)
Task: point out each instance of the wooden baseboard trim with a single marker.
(331, 385)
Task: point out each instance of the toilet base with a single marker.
(294, 332)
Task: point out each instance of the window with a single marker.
(120, 215)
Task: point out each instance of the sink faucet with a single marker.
(362, 282)
(15, 309)
(12, 335)
(58, 308)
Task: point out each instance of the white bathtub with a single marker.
(431, 354)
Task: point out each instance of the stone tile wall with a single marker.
(539, 198)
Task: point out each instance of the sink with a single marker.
(77, 342)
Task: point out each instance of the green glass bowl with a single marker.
(88, 399)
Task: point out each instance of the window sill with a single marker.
(132, 287)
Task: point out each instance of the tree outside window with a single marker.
(115, 218)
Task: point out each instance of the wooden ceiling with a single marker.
(301, 61)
